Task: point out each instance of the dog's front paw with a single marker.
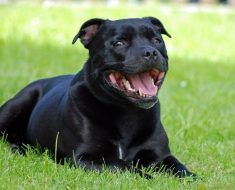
(185, 174)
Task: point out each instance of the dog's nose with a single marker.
(149, 53)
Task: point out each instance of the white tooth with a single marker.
(112, 78)
(127, 84)
(124, 81)
(161, 75)
(152, 80)
(141, 93)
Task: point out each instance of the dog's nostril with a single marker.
(147, 54)
(150, 53)
(154, 53)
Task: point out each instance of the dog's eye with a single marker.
(118, 43)
(157, 40)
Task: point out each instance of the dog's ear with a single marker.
(156, 22)
(88, 30)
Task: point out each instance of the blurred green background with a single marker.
(197, 98)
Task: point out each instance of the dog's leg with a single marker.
(15, 114)
(117, 164)
(172, 165)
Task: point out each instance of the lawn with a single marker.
(198, 96)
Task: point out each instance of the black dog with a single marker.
(108, 112)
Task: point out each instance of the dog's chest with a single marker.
(120, 151)
(122, 147)
(123, 151)
(126, 129)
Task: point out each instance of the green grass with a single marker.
(198, 108)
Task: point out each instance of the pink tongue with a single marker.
(143, 82)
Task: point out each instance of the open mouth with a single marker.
(140, 85)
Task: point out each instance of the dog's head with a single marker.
(127, 59)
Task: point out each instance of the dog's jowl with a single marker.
(109, 111)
